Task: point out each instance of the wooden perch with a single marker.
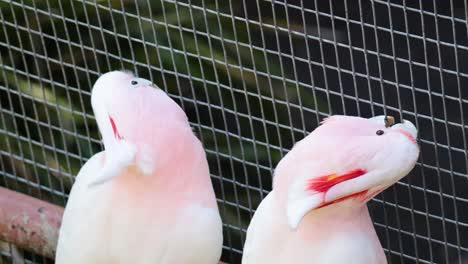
(30, 223)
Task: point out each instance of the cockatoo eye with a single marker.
(379, 132)
(140, 82)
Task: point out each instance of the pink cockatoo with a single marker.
(148, 197)
(316, 212)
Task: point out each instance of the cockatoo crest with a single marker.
(128, 113)
(346, 159)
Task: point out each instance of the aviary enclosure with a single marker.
(254, 77)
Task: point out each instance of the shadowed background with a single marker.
(254, 77)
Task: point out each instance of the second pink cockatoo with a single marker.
(148, 197)
(316, 212)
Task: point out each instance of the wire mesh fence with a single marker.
(254, 77)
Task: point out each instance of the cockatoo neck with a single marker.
(344, 209)
(106, 125)
(336, 219)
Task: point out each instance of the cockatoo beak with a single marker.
(407, 129)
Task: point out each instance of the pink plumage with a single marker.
(148, 197)
(316, 212)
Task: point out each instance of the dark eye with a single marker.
(134, 82)
(379, 132)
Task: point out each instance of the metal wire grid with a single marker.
(254, 78)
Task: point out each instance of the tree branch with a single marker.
(29, 223)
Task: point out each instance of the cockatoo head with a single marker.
(345, 159)
(131, 108)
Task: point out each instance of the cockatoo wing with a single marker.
(262, 233)
(79, 198)
(100, 227)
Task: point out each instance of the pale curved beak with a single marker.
(407, 128)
